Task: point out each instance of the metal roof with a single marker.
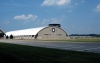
(31, 31)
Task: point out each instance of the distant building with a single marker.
(1, 34)
(51, 32)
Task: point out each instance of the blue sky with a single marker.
(75, 16)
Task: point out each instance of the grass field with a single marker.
(27, 54)
(79, 40)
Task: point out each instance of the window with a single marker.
(47, 34)
(53, 29)
(32, 35)
(59, 34)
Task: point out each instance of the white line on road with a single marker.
(92, 48)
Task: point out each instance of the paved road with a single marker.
(75, 46)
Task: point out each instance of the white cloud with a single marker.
(25, 17)
(98, 8)
(55, 2)
(51, 21)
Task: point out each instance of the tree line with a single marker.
(92, 35)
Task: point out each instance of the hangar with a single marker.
(50, 32)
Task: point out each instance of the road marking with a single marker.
(91, 49)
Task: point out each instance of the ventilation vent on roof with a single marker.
(54, 25)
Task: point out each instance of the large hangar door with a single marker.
(56, 36)
(47, 36)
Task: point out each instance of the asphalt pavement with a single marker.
(74, 46)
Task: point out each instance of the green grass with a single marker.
(27, 54)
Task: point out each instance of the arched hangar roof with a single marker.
(56, 27)
(31, 31)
